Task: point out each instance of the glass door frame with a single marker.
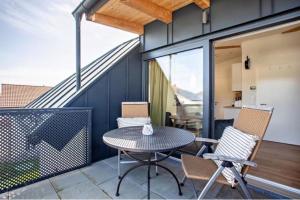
(208, 74)
(206, 42)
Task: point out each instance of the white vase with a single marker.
(147, 129)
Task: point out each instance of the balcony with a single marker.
(46, 153)
(99, 181)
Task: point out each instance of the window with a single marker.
(176, 90)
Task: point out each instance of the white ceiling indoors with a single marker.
(228, 48)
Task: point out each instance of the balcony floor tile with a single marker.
(99, 172)
(84, 190)
(68, 180)
(40, 190)
(128, 190)
(99, 181)
(4, 195)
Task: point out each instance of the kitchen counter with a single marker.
(233, 107)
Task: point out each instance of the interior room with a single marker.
(249, 70)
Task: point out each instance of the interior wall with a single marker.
(275, 71)
(223, 91)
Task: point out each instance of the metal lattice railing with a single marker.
(39, 143)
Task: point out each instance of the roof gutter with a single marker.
(85, 7)
(88, 7)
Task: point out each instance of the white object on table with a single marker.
(147, 129)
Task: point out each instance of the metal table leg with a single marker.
(148, 184)
(122, 177)
(148, 163)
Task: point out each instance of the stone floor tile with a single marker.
(128, 189)
(99, 172)
(166, 187)
(174, 166)
(112, 162)
(100, 181)
(67, 180)
(228, 193)
(84, 190)
(4, 195)
(40, 190)
(153, 196)
(139, 175)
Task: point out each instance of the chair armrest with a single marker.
(200, 139)
(212, 156)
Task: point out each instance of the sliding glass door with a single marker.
(176, 90)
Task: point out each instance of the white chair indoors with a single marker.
(234, 154)
(133, 114)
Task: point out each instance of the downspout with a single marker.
(83, 8)
(78, 52)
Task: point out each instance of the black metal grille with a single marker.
(38, 143)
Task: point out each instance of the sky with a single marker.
(184, 71)
(37, 41)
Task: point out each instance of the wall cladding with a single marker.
(157, 35)
(187, 22)
(282, 5)
(123, 82)
(189, 17)
(229, 13)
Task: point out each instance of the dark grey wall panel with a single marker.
(266, 7)
(170, 33)
(105, 96)
(117, 91)
(282, 5)
(187, 23)
(100, 116)
(134, 77)
(228, 13)
(81, 100)
(156, 35)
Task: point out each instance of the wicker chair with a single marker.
(251, 120)
(133, 114)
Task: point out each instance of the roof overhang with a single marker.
(133, 15)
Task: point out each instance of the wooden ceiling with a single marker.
(133, 15)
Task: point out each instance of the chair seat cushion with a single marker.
(134, 121)
(199, 168)
(236, 144)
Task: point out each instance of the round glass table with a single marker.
(164, 139)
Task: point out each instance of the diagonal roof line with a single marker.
(65, 91)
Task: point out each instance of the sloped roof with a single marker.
(15, 96)
(65, 91)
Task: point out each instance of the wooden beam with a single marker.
(292, 30)
(118, 23)
(151, 9)
(228, 47)
(202, 3)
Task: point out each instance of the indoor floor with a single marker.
(279, 163)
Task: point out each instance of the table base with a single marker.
(148, 163)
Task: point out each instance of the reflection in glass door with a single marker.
(176, 90)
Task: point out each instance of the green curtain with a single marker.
(158, 93)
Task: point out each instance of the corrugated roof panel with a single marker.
(65, 91)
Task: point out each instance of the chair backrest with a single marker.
(253, 120)
(135, 109)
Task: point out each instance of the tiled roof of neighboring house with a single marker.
(61, 94)
(15, 96)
